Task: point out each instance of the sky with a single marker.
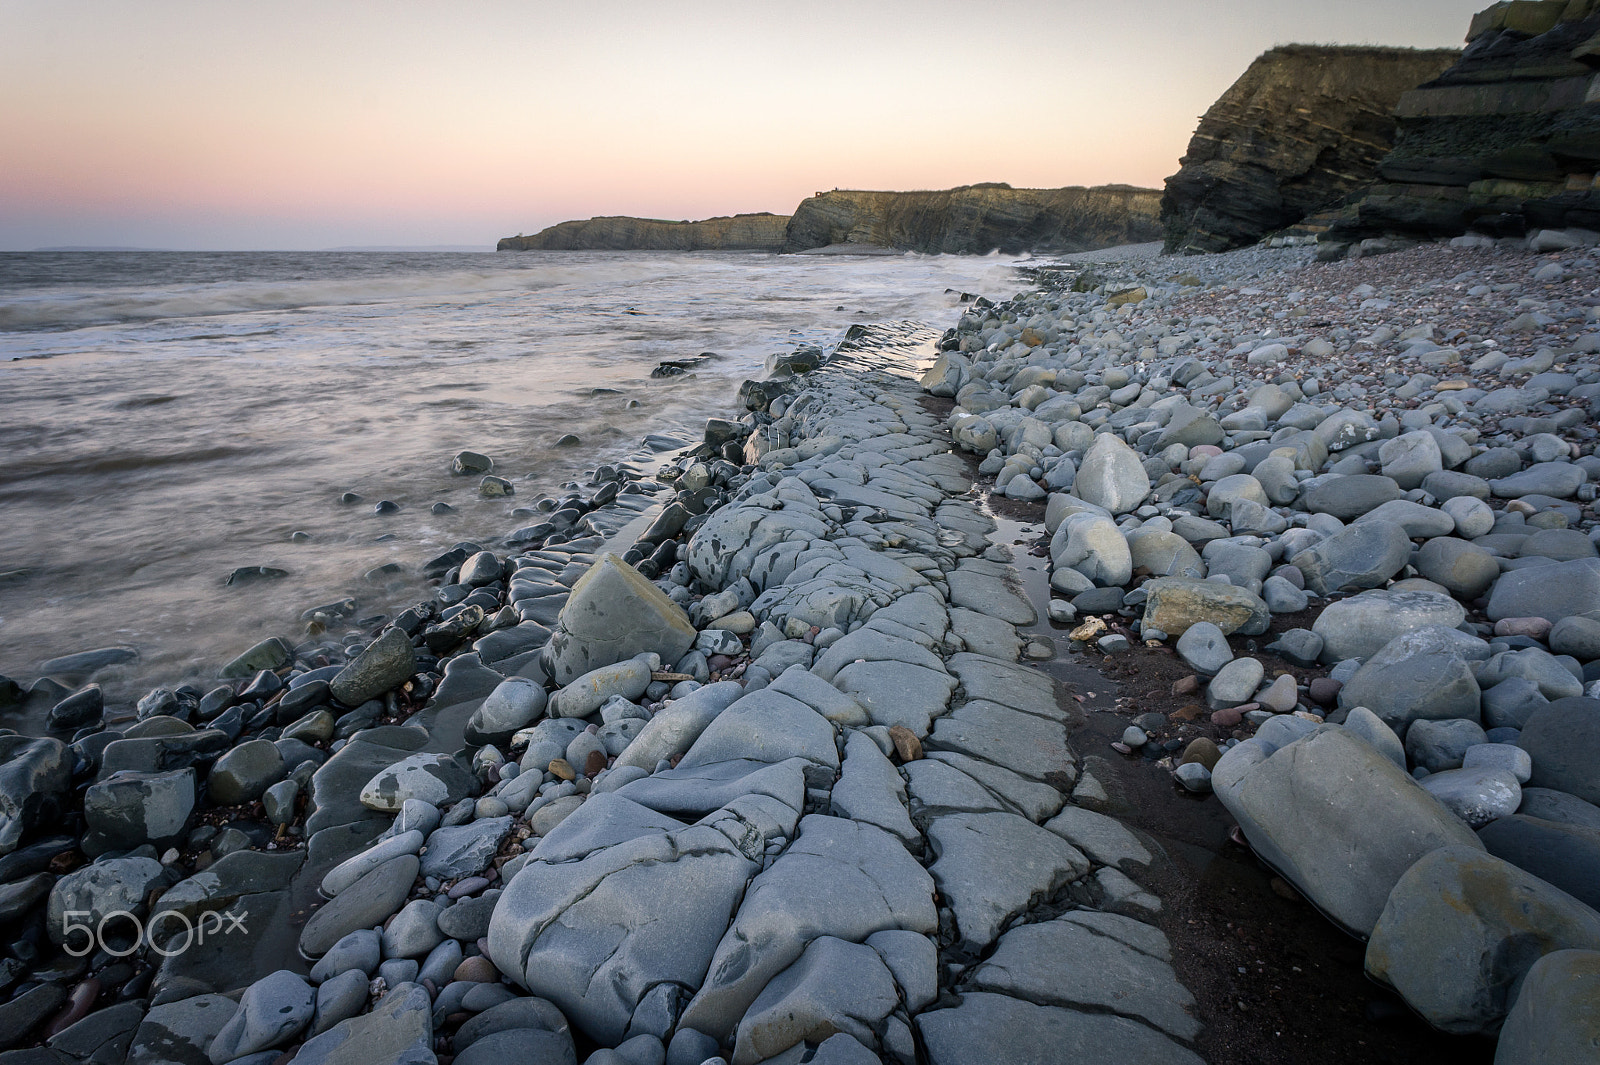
(295, 125)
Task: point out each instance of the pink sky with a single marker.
(308, 125)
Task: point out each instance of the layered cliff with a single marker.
(978, 219)
(1296, 133)
(740, 232)
(1507, 139)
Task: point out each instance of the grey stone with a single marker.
(1173, 604)
(1464, 568)
(34, 775)
(1557, 479)
(464, 850)
(1104, 839)
(588, 693)
(1492, 919)
(360, 951)
(1112, 476)
(1282, 597)
(1552, 592)
(869, 790)
(1535, 665)
(1078, 966)
(1578, 637)
(594, 934)
(1562, 739)
(414, 931)
(988, 1027)
(1347, 498)
(993, 596)
(105, 887)
(132, 809)
(1024, 743)
(521, 1044)
(993, 866)
(385, 664)
(1235, 683)
(897, 693)
(1093, 546)
(1336, 818)
(765, 726)
(398, 1031)
(834, 986)
(1550, 805)
(1371, 728)
(181, 1033)
(515, 703)
(1363, 555)
(1507, 756)
(271, 1012)
(244, 773)
(1362, 625)
(1409, 458)
(838, 878)
(368, 902)
(523, 1013)
(1555, 1020)
(339, 999)
(437, 779)
(1477, 796)
(1427, 687)
(613, 614)
(1204, 648)
(1565, 855)
(675, 728)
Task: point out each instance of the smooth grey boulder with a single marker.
(1556, 1017)
(1235, 683)
(515, 703)
(339, 999)
(1361, 626)
(360, 951)
(244, 773)
(675, 728)
(1543, 670)
(838, 878)
(398, 1031)
(272, 1011)
(1204, 648)
(1491, 920)
(1410, 457)
(526, 1045)
(1426, 687)
(1347, 498)
(1565, 855)
(105, 887)
(1371, 728)
(594, 933)
(437, 779)
(1363, 555)
(986, 1027)
(181, 1033)
(613, 614)
(1578, 637)
(1548, 804)
(870, 791)
(1553, 592)
(1478, 795)
(1336, 818)
(992, 866)
(588, 693)
(131, 809)
(1559, 480)
(464, 850)
(1562, 739)
(385, 664)
(765, 726)
(834, 986)
(34, 775)
(1463, 567)
(1112, 475)
(1091, 545)
(368, 902)
(1092, 961)
(1417, 520)
(1439, 745)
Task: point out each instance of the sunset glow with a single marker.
(305, 125)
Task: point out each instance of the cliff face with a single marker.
(1505, 140)
(1303, 127)
(742, 232)
(978, 219)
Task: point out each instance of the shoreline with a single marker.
(914, 742)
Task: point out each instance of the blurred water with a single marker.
(168, 417)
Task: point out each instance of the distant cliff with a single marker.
(978, 219)
(1296, 133)
(1505, 140)
(740, 232)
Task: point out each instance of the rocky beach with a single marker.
(1157, 659)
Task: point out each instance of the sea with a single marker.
(169, 417)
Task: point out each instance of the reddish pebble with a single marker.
(1226, 718)
(594, 763)
(77, 1007)
(718, 663)
(1534, 628)
(1204, 451)
(1121, 748)
(470, 886)
(477, 970)
(1186, 685)
(1324, 690)
(906, 744)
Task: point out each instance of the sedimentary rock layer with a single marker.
(1303, 127)
(977, 219)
